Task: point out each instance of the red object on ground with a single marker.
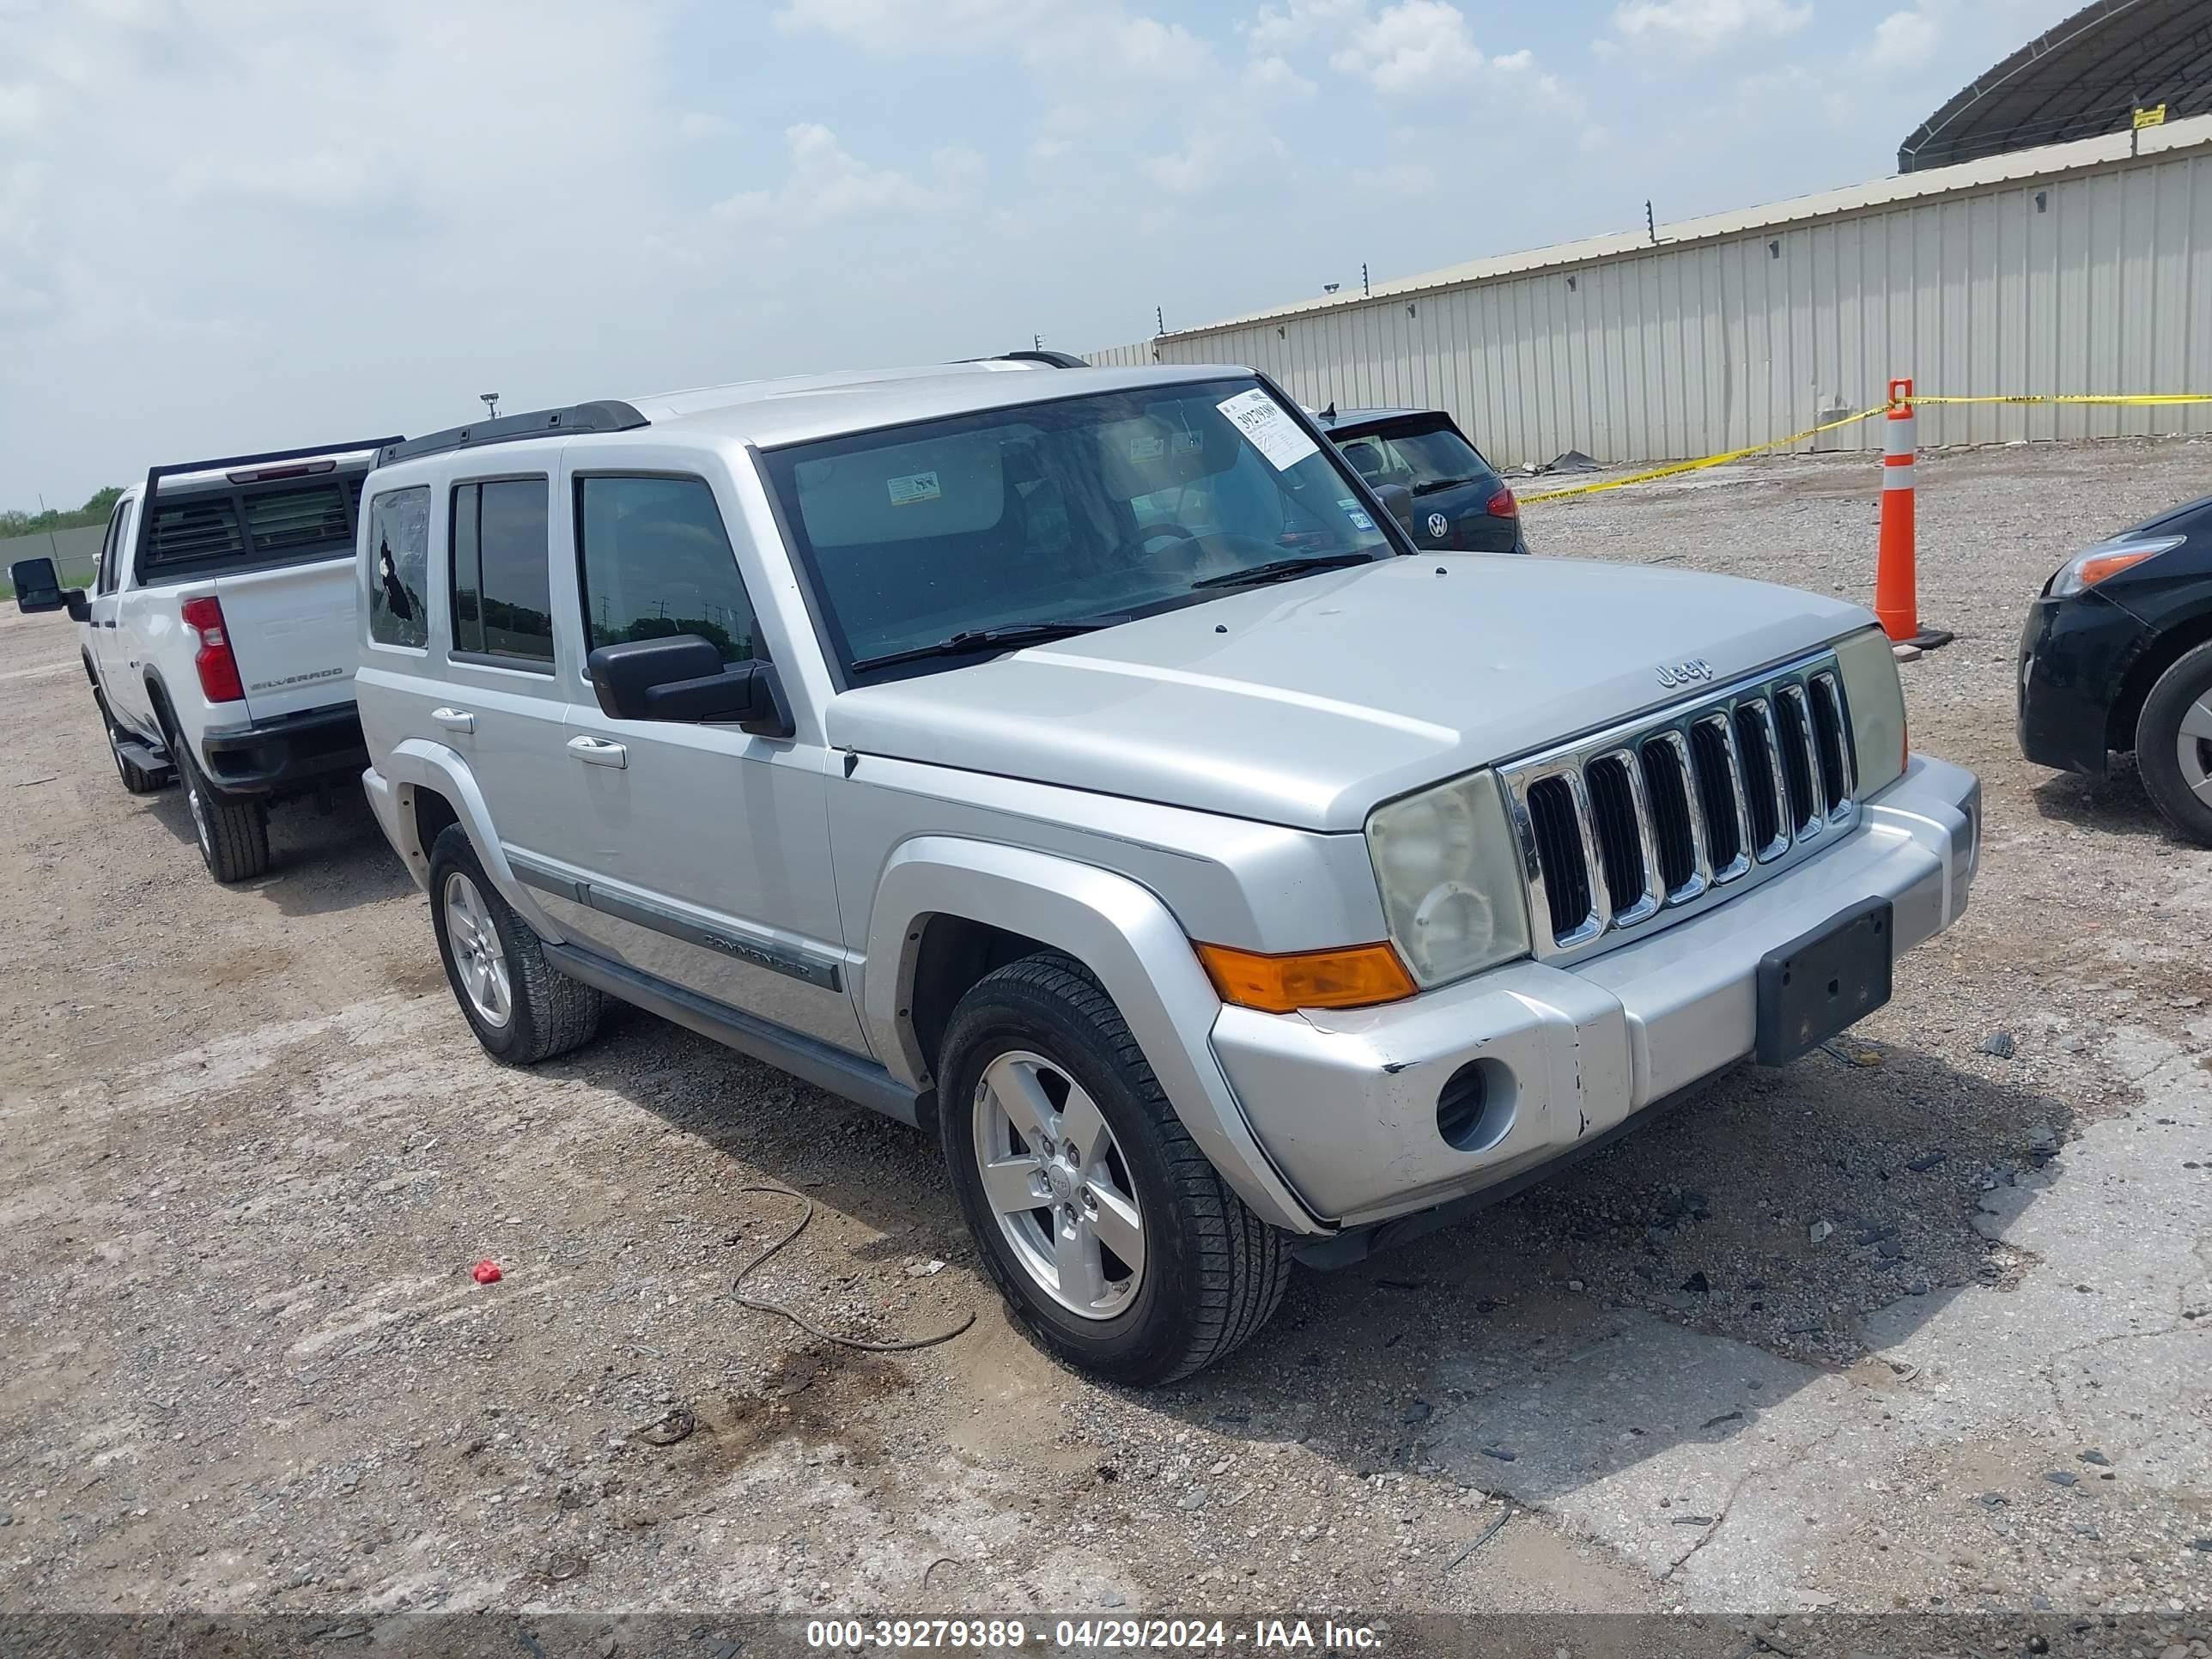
(485, 1272)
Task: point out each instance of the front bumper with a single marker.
(1346, 1104)
(287, 753)
(2074, 654)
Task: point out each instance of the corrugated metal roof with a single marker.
(2087, 75)
(2018, 165)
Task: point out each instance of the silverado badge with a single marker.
(1672, 674)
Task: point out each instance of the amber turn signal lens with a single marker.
(2096, 570)
(1357, 978)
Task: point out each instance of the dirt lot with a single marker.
(249, 1152)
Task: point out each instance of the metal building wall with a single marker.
(2100, 282)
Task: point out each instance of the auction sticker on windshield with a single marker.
(1269, 427)
(914, 487)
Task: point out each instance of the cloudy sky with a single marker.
(236, 224)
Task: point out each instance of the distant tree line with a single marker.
(15, 522)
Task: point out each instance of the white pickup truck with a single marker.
(219, 636)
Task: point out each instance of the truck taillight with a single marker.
(218, 668)
(1503, 506)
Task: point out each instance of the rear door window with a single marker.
(655, 563)
(399, 567)
(502, 585)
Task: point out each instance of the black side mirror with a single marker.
(39, 588)
(683, 677)
(1398, 502)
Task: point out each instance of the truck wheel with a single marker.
(522, 1008)
(139, 779)
(1115, 1243)
(2174, 745)
(233, 834)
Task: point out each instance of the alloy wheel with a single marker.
(1056, 1182)
(479, 959)
(2193, 748)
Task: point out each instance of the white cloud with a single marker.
(1703, 25)
(1903, 40)
(1274, 75)
(1098, 36)
(1413, 46)
(826, 182)
(1296, 24)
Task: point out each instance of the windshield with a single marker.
(1079, 512)
(1420, 457)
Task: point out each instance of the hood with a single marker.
(1309, 704)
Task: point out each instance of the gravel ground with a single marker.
(248, 1153)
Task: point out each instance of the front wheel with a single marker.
(2174, 745)
(1115, 1243)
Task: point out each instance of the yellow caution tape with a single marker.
(1681, 467)
(1678, 468)
(2151, 397)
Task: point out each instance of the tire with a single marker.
(537, 1010)
(233, 834)
(1211, 1271)
(139, 779)
(2174, 745)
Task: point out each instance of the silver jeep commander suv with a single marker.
(1083, 765)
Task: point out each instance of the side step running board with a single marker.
(848, 1075)
(143, 756)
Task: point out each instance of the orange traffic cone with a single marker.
(1896, 579)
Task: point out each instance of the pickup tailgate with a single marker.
(292, 630)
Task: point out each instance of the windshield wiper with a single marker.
(1433, 485)
(1281, 570)
(972, 639)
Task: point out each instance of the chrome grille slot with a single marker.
(1793, 730)
(1677, 842)
(1720, 792)
(1633, 828)
(1619, 821)
(1560, 856)
(1759, 761)
(1831, 739)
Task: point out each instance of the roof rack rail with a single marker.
(607, 414)
(1050, 359)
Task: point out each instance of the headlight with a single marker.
(1877, 700)
(1450, 878)
(2086, 570)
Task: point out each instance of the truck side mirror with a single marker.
(1398, 500)
(683, 677)
(39, 588)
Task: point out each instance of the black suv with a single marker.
(2118, 656)
(1460, 504)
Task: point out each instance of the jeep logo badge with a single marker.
(1672, 674)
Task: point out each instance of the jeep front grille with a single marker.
(1641, 825)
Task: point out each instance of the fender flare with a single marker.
(1117, 929)
(415, 763)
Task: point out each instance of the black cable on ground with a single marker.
(799, 1320)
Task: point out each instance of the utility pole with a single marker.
(53, 547)
(1159, 320)
(1366, 292)
(1651, 227)
(1036, 343)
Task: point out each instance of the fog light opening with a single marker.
(1475, 1107)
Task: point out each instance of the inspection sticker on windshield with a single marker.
(1359, 520)
(1272, 431)
(914, 487)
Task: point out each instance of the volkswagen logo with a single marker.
(1438, 524)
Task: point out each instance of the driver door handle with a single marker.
(454, 719)
(597, 751)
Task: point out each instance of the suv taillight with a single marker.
(1503, 506)
(219, 681)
